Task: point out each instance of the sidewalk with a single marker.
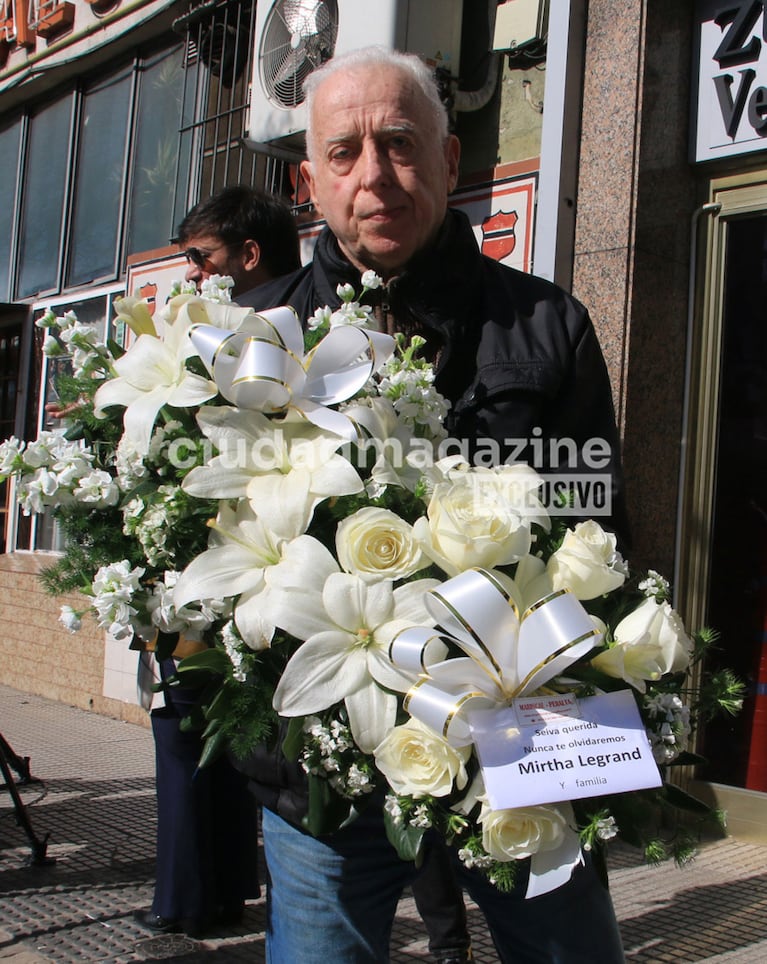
(93, 793)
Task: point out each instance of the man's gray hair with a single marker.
(410, 64)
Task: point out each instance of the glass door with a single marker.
(722, 564)
(737, 597)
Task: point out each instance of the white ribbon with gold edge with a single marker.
(262, 366)
(507, 656)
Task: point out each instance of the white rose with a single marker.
(481, 518)
(587, 562)
(518, 833)
(649, 642)
(376, 542)
(418, 762)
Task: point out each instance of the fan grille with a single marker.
(298, 36)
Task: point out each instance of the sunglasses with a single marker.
(199, 257)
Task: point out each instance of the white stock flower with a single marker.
(669, 727)
(649, 642)
(114, 588)
(217, 288)
(97, 488)
(70, 619)
(655, 585)
(588, 562)
(377, 543)
(347, 624)
(52, 348)
(482, 518)
(129, 465)
(418, 762)
(518, 833)
(11, 459)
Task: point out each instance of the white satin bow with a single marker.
(507, 655)
(263, 366)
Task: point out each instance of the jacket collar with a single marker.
(440, 286)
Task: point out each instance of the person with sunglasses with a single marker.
(242, 232)
(207, 819)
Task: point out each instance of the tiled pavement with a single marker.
(93, 793)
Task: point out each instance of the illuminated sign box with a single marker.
(730, 113)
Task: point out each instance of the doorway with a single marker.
(722, 558)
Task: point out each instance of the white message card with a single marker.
(550, 748)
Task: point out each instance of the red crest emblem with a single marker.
(148, 291)
(498, 236)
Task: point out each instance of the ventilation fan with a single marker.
(294, 37)
(298, 36)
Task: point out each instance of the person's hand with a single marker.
(57, 410)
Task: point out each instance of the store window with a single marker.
(159, 169)
(100, 177)
(99, 181)
(44, 198)
(10, 138)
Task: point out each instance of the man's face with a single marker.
(207, 255)
(380, 172)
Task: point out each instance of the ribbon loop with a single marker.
(262, 366)
(507, 656)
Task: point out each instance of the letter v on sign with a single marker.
(732, 110)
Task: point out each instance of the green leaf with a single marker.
(213, 748)
(294, 738)
(404, 837)
(219, 706)
(327, 811)
(212, 660)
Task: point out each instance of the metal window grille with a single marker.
(219, 37)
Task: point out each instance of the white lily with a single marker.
(284, 467)
(153, 373)
(243, 550)
(400, 456)
(347, 624)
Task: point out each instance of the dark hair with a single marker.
(240, 213)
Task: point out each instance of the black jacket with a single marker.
(516, 356)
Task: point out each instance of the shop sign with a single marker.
(730, 116)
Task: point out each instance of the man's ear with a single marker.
(251, 255)
(452, 159)
(308, 175)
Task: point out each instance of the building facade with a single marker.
(617, 148)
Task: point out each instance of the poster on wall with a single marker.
(730, 79)
(152, 277)
(502, 212)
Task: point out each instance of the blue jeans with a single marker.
(334, 899)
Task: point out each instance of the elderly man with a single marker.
(519, 360)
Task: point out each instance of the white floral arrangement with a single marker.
(284, 496)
